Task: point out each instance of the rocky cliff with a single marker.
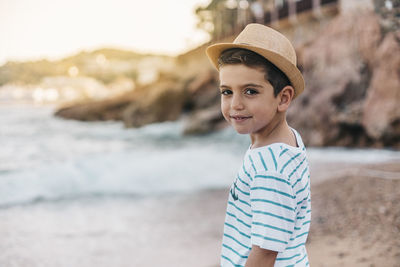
(352, 74)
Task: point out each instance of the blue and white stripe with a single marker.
(272, 207)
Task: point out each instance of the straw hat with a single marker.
(268, 43)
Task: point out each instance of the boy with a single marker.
(269, 206)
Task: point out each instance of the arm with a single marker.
(261, 257)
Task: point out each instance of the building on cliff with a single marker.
(296, 18)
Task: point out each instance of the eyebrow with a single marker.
(244, 85)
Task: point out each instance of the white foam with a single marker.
(43, 157)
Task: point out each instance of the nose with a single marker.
(237, 102)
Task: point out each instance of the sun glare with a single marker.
(55, 29)
(73, 71)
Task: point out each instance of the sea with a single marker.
(96, 193)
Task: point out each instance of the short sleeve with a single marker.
(273, 206)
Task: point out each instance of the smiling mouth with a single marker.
(239, 118)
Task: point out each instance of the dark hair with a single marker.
(251, 59)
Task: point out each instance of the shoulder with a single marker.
(276, 157)
(272, 157)
(289, 157)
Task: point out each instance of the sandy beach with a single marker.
(355, 219)
(355, 222)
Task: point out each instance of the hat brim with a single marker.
(291, 71)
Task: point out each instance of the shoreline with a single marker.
(355, 224)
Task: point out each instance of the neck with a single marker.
(277, 131)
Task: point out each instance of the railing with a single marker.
(289, 9)
(300, 6)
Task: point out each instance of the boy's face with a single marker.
(247, 99)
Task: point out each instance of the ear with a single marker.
(285, 98)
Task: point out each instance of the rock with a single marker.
(204, 104)
(161, 101)
(352, 85)
(331, 67)
(96, 111)
(204, 121)
(369, 38)
(164, 102)
(203, 90)
(381, 111)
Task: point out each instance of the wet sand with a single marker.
(355, 219)
(355, 222)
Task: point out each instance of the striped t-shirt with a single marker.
(269, 206)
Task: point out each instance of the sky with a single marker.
(52, 29)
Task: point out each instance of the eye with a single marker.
(226, 92)
(250, 91)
